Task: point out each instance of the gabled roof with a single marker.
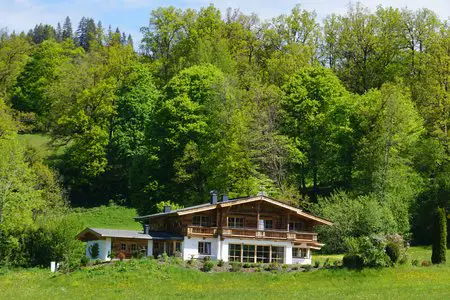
(102, 233)
(232, 202)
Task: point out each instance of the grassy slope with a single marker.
(146, 279)
(114, 217)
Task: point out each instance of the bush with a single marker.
(235, 267)
(439, 253)
(208, 265)
(316, 264)
(137, 254)
(220, 263)
(393, 250)
(94, 250)
(352, 261)
(307, 268)
(352, 217)
(371, 250)
(326, 263)
(415, 262)
(84, 261)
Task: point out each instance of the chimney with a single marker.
(213, 197)
(146, 227)
(167, 208)
(225, 198)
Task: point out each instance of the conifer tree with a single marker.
(67, 32)
(438, 255)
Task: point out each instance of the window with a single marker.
(278, 254)
(178, 246)
(234, 222)
(123, 247)
(299, 253)
(248, 253)
(204, 248)
(297, 226)
(263, 254)
(201, 220)
(268, 224)
(133, 247)
(234, 252)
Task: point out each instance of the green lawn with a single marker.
(147, 279)
(114, 217)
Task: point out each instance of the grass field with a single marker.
(114, 217)
(147, 279)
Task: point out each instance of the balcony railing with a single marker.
(200, 230)
(268, 234)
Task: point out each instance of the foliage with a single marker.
(235, 267)
(366, 252)
(439, 253)
(208, 265)
(352, 217)
(94, 250)
(393, 251)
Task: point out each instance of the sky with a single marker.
(130, 15)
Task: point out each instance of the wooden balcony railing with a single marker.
(268, 234)
(200, 230)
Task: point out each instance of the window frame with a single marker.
(203, 248)
(204, 220)
(303, 252)
(232, 222)
(123, 247)
(271, 224)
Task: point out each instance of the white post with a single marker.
(53, 266)
(150, 248)
(219, 248)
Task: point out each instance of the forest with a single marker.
(346, 117)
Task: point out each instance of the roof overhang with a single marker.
(201, 208)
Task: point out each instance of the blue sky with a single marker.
(130, 15)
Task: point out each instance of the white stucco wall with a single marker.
(287, 247)
(104, 249)
(190, 247)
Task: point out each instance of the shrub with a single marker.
(438, 255)
(426, 263)
(393, 251)
(191, 261)
(326, 263)
(235, 267)
(294, 268)
(137, 254)
(247, 265)
(84, 261)
(121, 256)
(316, 264)
(371, 250)
(415, 262)
(337, 263)
(352, 261)
(274, 266)
(307, 268)
(220, 263)
(208, 265)
(94, 250)
(285, 267)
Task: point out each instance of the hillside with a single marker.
(114, 216)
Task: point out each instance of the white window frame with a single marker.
(204, 248)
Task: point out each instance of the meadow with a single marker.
(149, 279)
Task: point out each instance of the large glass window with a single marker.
(201, 220)
(204, 248)
(263, 254)
(299, 252)
(248, 253)
(278, 254)
(235, 222)
(234, 252)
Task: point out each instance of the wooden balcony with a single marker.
(192, 230)
(270, 234)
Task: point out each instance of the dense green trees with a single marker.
(346, 115)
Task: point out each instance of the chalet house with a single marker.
(251, 229)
